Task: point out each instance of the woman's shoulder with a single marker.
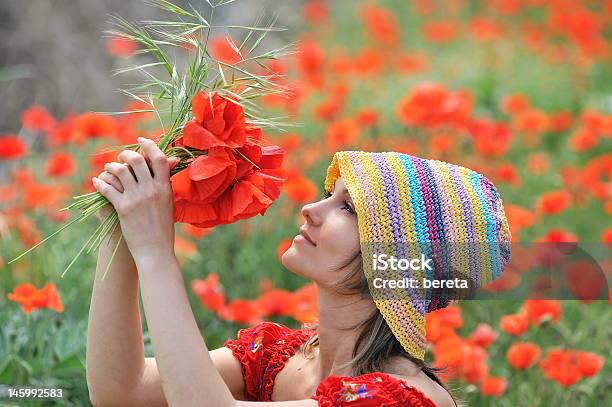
(402, 369)
(437, 394)
(371, 389)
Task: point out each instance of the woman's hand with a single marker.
(142, 200)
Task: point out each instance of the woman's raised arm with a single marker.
(115, 350)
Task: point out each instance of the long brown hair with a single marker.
(376, 344)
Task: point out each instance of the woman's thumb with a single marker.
(172, 161)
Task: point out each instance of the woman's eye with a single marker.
(348, 208)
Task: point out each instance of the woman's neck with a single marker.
(336, 344)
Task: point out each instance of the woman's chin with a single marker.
(291, 260)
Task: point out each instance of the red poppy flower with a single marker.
(298, 188)
(315, 11)
(37, 118)
(483, 335)
(92, 125)
(241, 311)
(218, 122)
(522, 355)
(589, 363)
(559, 365)
(121, 46)
(305, 303)
(553, 202)
(341, 133)
(60, 164)
(223, 50)
(210, 292)
(493, 386)
(275, 302)
(207, 177)
(282, 247)
(380, 23)
(440, 31)
(539, 310)
(514, 324)
(30, 298)
(12, 147)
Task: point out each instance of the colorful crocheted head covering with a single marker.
(410, 207)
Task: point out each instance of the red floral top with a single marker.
(264, 349)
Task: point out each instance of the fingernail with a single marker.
(94, 180)
(140, 139)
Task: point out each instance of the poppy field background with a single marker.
(519, 90)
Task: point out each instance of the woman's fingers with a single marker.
(122, 172)
(137, 163)
(159, 161)
(111, 179)
(107, 190)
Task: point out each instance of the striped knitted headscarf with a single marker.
(409, 206)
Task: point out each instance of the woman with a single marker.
(366, 350)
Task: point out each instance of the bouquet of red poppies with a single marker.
(230, 176)
(225, 171)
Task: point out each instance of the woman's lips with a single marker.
(303, 239)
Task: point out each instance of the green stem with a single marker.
(44, 240)
(112, 257)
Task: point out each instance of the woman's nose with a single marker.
(311, 213)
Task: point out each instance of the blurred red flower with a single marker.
(282, 247)
(210, 292)
(275, 302)
(92, 125)
(597, 176)
(380, 23)
(441, 31)
(491, 139)
(493, 386)
(315, 11)
(515, 324)
(241, 311)
(431, 105)
(560, 365)
(222, 50)
(310, 58)
(12, 147)
(553, 202)
(522, 355)
(589, 363)
(483, 335)
(538, 311)
(558, 236)
(120, 46)
(60, 164)
(515, 103)
(37, 118)
(341, 133)
(30, 298)
(300, 189)
(367, 117)
(538, 163)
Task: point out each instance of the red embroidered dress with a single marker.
(264, 349)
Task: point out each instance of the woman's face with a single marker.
(331, 238)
